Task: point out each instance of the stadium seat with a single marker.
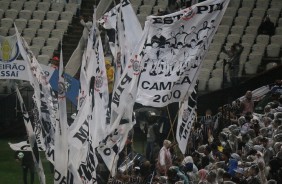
(48, 1)
(251, 30)
(4, 5)
(214, 83)
(162, 3)
(62, 24)
(244, 11)
(1, 13)
(3, 31)
(67, 15)
(215, 47)
(135, 8)
(145, 9)
(142, 18)
(237, 30)
(263, 39)
(219, 38)
(11, 13)
(47, 50)
(255, 57)
(149, 2)
(273, 50)
(72, 7)
(48, 24)
(29, 32)
(35, 0)
(250, 68)
(212, 55)
(30, 5)
(223, 29)
(278, 31)
(263, 3)
(226, 20)
(21, 23)
(53, 42)
(230, 11)
(34, 23)
(280, 22)
(57, 6)
(35, 50)
(255, 21)
(234, 4)
(57, 33)
(52, 15)
(258, 12)
(17, 5)
(247, 48)
(43, 6)
(258, 47)
(38, 14)
(248, 38)
(207, 64)
(276, 39)
(45, 33)
(7, 23)
(27, 39)
(218, 72)
(241, 20)
(38, 41)
(202, 84)
(233, 38)
(25, 14)
(248, 3)
(43, 59)
(274, 12)
(205, 72)
(135, 2)
(12, 31)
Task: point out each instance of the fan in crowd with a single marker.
(246, 150)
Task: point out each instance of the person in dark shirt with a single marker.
(266, 27)
(27, 163)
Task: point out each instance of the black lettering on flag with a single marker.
(124, 3)
(58, 177)
(50, 153)
(82, 133)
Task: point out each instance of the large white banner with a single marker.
(175, 47)
(186, 117)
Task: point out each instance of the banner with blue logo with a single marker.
(72, 86)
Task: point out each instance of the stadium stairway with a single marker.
(72, 37)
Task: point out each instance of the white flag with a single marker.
(186, 117)
(122, 119)
(23, 146)
(44, 97)
(175, 48)
(89, 126)
(61, 143)
(32, 140)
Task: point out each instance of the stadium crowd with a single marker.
(236, 145)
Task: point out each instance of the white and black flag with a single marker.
(175, 47)
(44, 97)
(32, 140)
(186, 118)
